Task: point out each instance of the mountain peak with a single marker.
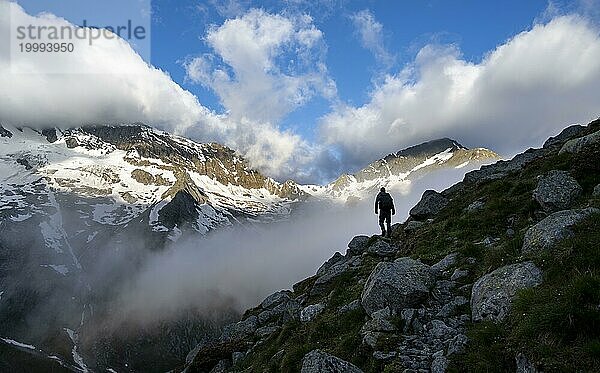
(429, 148)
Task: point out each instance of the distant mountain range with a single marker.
(70, 197)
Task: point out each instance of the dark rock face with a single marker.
(182, 209)
(429, 148)
(4, 132)
(318, 361)
(401, 284)
(50, 134)
(431, 204)
(556, 190)
(25, 163)
(546, 234)
(492, 294)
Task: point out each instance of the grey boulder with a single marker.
(596, 192)
(240, 330)
(358, 245)
(493, 293)
(312, 311)
(276, 298)
(400, 284)
(430, 205)
(444, 264)
(382, 248)
(578, 144)
(546, 234)
(318, 361)
(556, 190)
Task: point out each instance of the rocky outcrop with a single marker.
(358, 245)
(329, 273)
(240, 330)
(4, 132)
(401, 284)
(556, 190)
(546, 234)
(277, 313)
(578, 144)
(501, 169)
(565, 135)
(336, 258)
(50, 134)
(492, 294)
(430, 205)
(318, 361)
(276, 299)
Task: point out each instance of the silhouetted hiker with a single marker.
(384, 204)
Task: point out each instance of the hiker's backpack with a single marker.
(386, 202)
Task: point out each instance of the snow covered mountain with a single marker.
(71, 200)
(398, 170)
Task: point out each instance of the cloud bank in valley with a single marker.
(523, 91)
(244, 266)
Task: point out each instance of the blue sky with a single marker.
(179, 26)
(310, 89)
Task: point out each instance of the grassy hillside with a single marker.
(556, 324)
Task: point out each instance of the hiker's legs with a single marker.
(388, 219)
(381, 222)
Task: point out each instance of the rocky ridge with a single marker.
(457, 287)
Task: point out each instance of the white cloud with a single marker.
(230, 8)
(124, 89)
(264, 65)
(370, 33)
(524, 91)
